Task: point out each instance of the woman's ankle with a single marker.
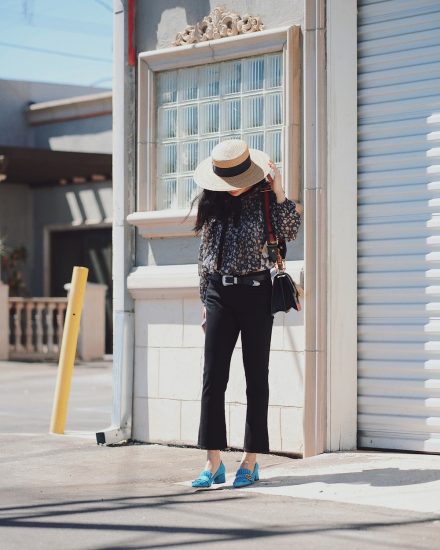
(213, 460)
(248, 460)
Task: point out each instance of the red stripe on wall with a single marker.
(131, 47)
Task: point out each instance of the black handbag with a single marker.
(285, 294)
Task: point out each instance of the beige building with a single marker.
(342, 96)
(55, 212)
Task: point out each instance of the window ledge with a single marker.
(255, 43)
(148, 282)
(163, 223)
(164, 281)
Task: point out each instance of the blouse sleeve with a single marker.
(287, 218)
(203, 272)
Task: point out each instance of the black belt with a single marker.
(251, 279)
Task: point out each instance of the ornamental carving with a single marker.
(220, 23)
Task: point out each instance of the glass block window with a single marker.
(198, 106)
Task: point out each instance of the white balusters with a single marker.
(37, 327)
(50, 319)
(17, 309)
(60, 311)
(29, 307)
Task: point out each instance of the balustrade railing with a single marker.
(36, 327)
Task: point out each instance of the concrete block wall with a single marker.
(169, 369)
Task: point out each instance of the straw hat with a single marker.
(232, 165)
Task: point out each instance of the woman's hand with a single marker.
(275, 182)
(277, 187)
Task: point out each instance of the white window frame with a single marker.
(169, 223)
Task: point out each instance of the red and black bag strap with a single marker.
(271, 238)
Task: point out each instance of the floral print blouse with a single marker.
(244, 247)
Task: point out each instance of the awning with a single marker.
(46, 167)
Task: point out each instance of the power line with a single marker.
(53, 52)
(100, 26)
(64, 24)
(104, 5)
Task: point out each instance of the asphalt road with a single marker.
(68, 493)
(27, 392)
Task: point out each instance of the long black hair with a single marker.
(219, 205)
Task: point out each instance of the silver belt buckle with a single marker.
(226, 280)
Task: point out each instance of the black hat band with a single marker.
(233, 170)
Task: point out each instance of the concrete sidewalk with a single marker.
(66, 492)
(69, 493)
(389, 480)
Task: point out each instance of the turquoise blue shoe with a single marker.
(245, 477)
(206, 479)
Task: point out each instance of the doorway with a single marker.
(91, 248)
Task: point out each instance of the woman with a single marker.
(235, 288)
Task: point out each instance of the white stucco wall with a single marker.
(158, 23)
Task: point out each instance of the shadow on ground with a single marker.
(48, 516)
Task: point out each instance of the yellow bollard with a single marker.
(68, 349)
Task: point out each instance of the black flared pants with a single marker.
(231, 310)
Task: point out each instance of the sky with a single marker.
(59, 41)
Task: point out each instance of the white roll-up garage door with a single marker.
(399, 224)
